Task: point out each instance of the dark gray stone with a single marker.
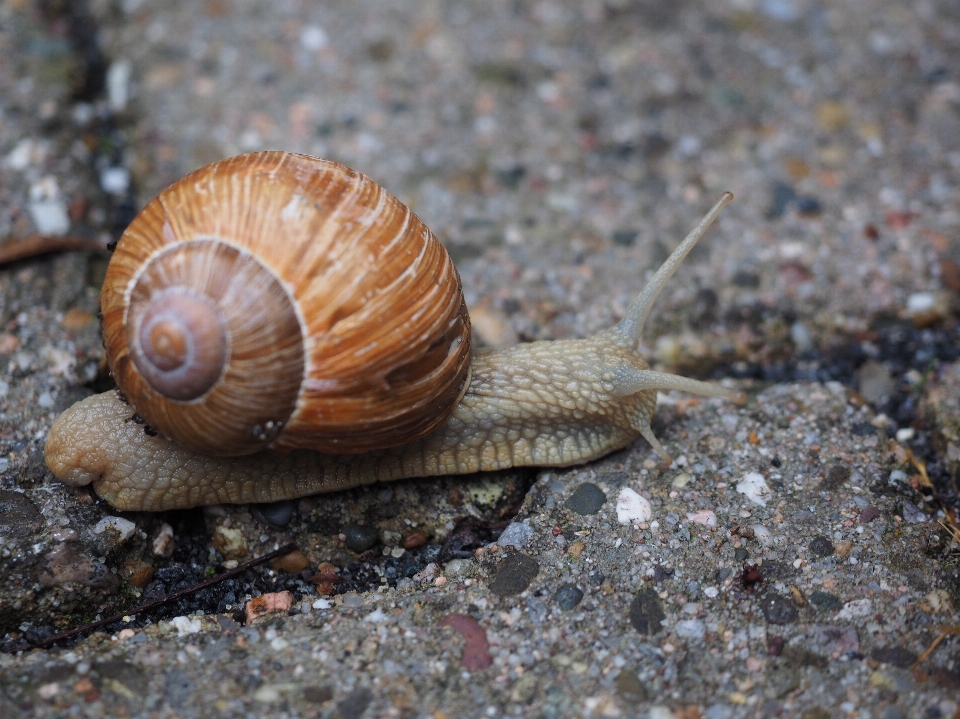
(514, 575)
(821, 546)
(567, 596)
(897, 656)
(825, 602)
(354, 704)
(630, 689)
(778, 609)
(646, 612)
(360, 538)
(586, 499)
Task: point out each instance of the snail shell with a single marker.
(276, 299)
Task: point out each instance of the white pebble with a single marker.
(920, 302)
(313, 37)
(45, 400)
(762, 534)
(631, 507)
(185, 625)
(47, 208)
(322, 604)
(115, 180)
(706, 517)
(124, 527)
(118, 84)
(21, 156)
(754, 487)
(711, 592)
(905, 434)
(856, 608)
(517, 534)
(377, 616)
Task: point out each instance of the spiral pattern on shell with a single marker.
(275, 299)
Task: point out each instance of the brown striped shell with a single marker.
(276, 299)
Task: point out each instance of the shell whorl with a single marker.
(280, 300)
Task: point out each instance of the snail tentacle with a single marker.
(629, 328)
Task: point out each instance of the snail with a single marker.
(284, 326)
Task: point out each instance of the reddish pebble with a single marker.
(898, 220)
(271, 603)
(556, 531)
(775, 646)
(476, 648)
(869, 514)
(415, 539)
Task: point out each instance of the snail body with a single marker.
(539, 404)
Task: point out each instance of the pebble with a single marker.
(354, 704)
(705, 517)
(821, 546)
(824, 601)
(163, 543)
(912, 513)
(567, 596)
(476, 647)
(414, 539)
(47, 208)
(629, 687)
(691, 629)
(900, 657)
(291, 563)
(843, 547)
(123, 527)
(778, 609)
(875, 382)
(586, 499)
(360, 538)
(514, 575)
(276, 514)
(186, 626)
(869, 514)
(632, 507)
(762, 534)
(517, 535)
(754, 487)
(230, 542)
(856, 608)
(270, 603)
(115, 180)
(646, 612)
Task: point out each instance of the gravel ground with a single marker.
(796, 560)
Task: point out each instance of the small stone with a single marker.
(514, 575)
(900, 657)
(476, 648)
(821, 546)
(869, 514)
(163, 543)
(912, 514)
(318, 694)
(276, 514)
(632, 507)
(630, 689)
(586, 499)
(230, 542)
(123, 528)
(186, 626)
(291, 563)
(843, 547)
(646, 612)
(140, 574)
(705, 517)
(576, 549)
(937, 602)
(360, 538)
(354, 704)
(270, 603)
(414, 539)
(824, 601)
(517, 535)
(691, 629)
(567, 596)
(856, 608)
(754, 487)
(525, 689)
(778, 609)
